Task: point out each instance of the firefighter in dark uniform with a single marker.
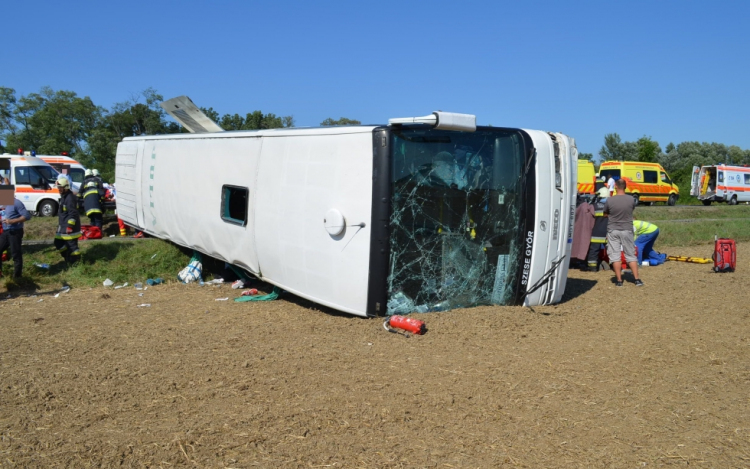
(599, 232)
(91, 193)
(98, 177)
(69, 224)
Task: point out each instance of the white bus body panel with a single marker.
(555, 215)
(301, 179)
(171, 187)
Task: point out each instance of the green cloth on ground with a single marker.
(270, 297)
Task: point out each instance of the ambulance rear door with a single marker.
(694, 189)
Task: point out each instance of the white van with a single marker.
(369, 220)
(721, 183)
(35, 183)
(75, 169)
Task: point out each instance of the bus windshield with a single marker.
(456, 218)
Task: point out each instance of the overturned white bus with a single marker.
(369, 220)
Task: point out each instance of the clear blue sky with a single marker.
(673, 70)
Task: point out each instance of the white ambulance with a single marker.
(34, 181)
(721, 183)
(75, 169)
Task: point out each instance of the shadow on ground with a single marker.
(576, 287)
(104, 251)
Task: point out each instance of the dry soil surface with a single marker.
(612, 377)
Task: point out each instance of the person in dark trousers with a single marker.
(69, 224)
(91, 193)
(619, 210)
(13, 218)
(645, 237)
(598, 233)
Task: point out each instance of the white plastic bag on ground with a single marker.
(193, 271)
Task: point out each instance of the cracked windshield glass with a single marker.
(456, 218)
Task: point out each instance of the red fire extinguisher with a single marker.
(415, 326)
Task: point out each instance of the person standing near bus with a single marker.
(13, 218)
(619, 210)
(91, 194)
(598, 232)
(69, 223)
(611, 186)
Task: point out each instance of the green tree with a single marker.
(586, 156)
(140, 115)
(255, 120)
(612, 148)
(211, 114)
(647, 150)
(341, 121)
(7, 115)
(49, 122)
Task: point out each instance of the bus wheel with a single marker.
(706, 202)
(637, 198)
(672, 200)
(48, 208)
(733, 200)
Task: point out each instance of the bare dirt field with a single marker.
(613, 377)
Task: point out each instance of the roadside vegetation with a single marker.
(691, 225)
(54, 121)
(677, 159)
(121, 261)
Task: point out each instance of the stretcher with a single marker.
(694, 260)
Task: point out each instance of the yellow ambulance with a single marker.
(647, 182)
(586, 177)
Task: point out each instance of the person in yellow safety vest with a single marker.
(598, 233)
(645, 236)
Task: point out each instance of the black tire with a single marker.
(733, 200)
(637, 198)
(672, 200)
(706, 202)
(48, 208)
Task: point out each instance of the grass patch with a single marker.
(690, 225)
(692, 212)
(40, 228)
(120, 261)
(679, 233)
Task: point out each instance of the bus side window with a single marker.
(665, 178)
(747, 178)
(234, 204)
